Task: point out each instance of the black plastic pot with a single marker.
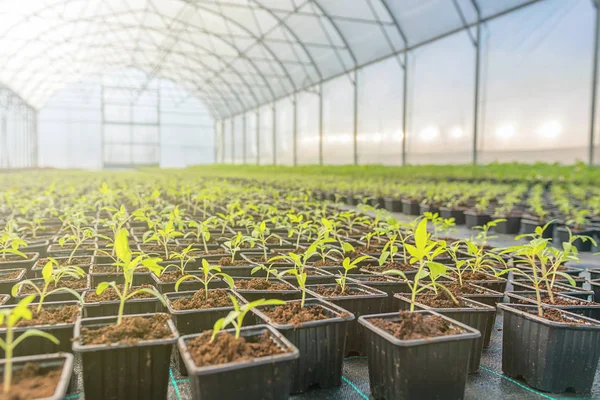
(39, 345)
(124, 371)
(562, 235)
(489, 298)
(410, 207)
(595, 287)
(260, 378)
(111, 308)
(196, 321)
(377, 202)
(478, 316)
(529, 225)
(24, 263)
(251, 295)
(431, 368)
(320, 343)
(390, 286)
(423, 208)
(457, 214)
(6, 285)
(511, 226)
(191, 284)
(36, 270)
(495, 283)
(562, 289)
(139, 278)
(60, 296)
(473, 219)
(316, 276)
(585, 308)
(39, 246)
(392, 204)
(594, 273)
(550, 356)
(63, 361)
(370, 301)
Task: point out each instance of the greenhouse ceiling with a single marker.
(235, 54)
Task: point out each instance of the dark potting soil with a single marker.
(331, 291)
(293, 313)
(441, 300)
(216, 299)
(172, 276)
(325, 263)
(561, 301)
(261, 284)
(260, 259)
(417, 326)
(404, 267)
(478, 276)
(13, 257)
(111, 295)
(131, 331)
(65, 261)
(10, 276)
(112, 269)
(226, 348)
(32, 382)
(557, 316)
(84, 246)
(226, 261)
(75, 284)
(458, 290)
(51, 316)
(375, 278)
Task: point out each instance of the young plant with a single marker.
(208, 274)
(484, 235)
(348, 266)
(270, 270)
(423, 253)
(10, 317)
(31, 226)
(263, 235)
(79, 233)
(52, 275)
(183, 258)
(10, 242)
(235, 244)
(236, 317)
(129, 265)
(389, 251)
(301, 279)
(202, 232)
(300, 227)
(163, 236)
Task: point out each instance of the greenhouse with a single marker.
(299, 199)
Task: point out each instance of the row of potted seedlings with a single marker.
(297, 306)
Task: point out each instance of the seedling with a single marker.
(129, 265)
(235, 244)
(208, 274)
(301, 279)
(300, 227)
(348, 266)
(270, 270)
(164, 235)
(10, 317)
(263, 235)
(52, 274)
(184, 258)
(79, 233)
(10, 242)
(236, 317)
(202, 232)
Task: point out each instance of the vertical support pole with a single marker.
(223, 142)
(215, 141)
(355, 131)
(36, 139)
(477, 83)
(244, 137)
(594, 85)
(321, 124)
(158, 122)
(102, 130)
(295, 128)
(274, 133)
(257, 136)
(232, 136)
(404, 106)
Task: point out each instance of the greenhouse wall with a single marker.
(18, 132)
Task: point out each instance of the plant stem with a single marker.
(415, 287)
(303, 297)
(536, 285)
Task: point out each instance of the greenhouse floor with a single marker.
(488, 383)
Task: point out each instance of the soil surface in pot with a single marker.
(78, 260)
(111, 269)
(75, 284)
(293, 313)
(405, 267)
(261, 284)
(10, 276)
(330, 291)
(216, 299)
(417, 326)
(226, 348)
(561, 301)
(556, 316)
(458, 290)
(325, 263)
(441, 300)
(13, 257)
(32, 382)
(479, 276)
(51, 316)
(131, 331)
(159, 248)
(226, 261)
(170, 276)
(111, 295)
(375, 278)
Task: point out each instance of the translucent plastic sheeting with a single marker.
(380, 89)
(440, 101)
(219, 139)
(251, 138)
(537, 83)
(285, 131)
(265, 139)
(338, 121)
(238, 139)
(308, 126)
(227, 142)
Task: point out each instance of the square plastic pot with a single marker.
(431, 368)
(529, 225)
(293, 293)
(320, 343)
(393, 205)
(137, 371)
(6, 285)
(46, 361)
(390, 287)
(370, 301)
(478, 316)
(139, 278)
(473, 219)
(24, 263)
(410, 207)
(511, 226)
(589, 310)
(550, 356)
(457, 214)
(260, 378)
(111, 308)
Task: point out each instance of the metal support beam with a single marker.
(355, 119)
(404, 107)
(321, 124)
(295, 128)
(244, 133)
(477, 84)
(594, 86)
(232, 136)
(223, 143)
(274, 133)
(216, 141)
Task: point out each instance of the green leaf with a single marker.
(102, 286)
(421, 235)
(47, 271)
(122, 246)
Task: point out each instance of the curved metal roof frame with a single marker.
(234, 54)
